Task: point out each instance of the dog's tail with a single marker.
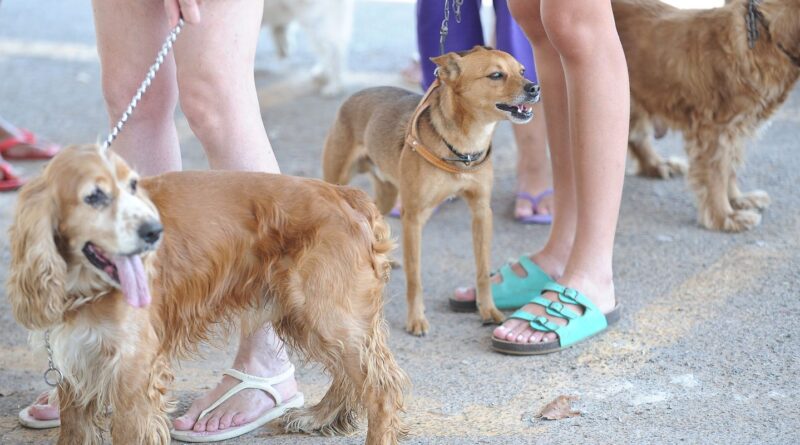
(378, 231)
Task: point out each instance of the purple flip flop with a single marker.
(535, 218)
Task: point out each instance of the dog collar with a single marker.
(752, 19)
(466, 158)
(415, 144)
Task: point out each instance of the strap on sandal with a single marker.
(248, 381)
(578, 327)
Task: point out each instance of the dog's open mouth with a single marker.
(125, 270)
(519, 113)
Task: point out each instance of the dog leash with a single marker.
(53, 376)
(444, 29)
(414, 142)
(151, 74)
(752, 19)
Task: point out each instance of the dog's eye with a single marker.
(496, 75)
(97, 199)
(134, 185)
(522, 72)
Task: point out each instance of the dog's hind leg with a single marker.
(340, 154)
(755, 200)
(336, 413)
(710, 172)
(650, 163)
(385, 192)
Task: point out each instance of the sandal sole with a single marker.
(511, 348)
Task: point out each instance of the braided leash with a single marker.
(444, 29)
(151, 74)
(53, 375)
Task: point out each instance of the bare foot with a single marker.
(520, 331)
(244, 407)
(41, 409)
(531, 188)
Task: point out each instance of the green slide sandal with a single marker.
(514, 291)
(577, 329)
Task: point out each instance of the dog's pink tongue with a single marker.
(133, 280)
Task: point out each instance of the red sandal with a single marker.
(8, 180)
(47, 151)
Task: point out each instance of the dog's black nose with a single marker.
(150, 231)
(532, 89)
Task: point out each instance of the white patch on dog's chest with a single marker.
(88, 353)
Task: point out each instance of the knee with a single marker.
(527, 13)
(206, 98)
(157, 104)
(573, 33)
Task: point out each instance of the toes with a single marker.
(516, 334)
(213, 422)
(189, 420)
(43, 412)
(506, 328)
(465, 294)
(225, 420)
(200, 424)
(239, 419)
(536, 337)
(525, 336)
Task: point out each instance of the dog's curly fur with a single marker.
(247, 248)
(694, 71)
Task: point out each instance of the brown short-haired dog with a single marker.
(431, 148)
(715, 75)
(309, 257)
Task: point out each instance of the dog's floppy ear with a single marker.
(36, 283)
(447, 67)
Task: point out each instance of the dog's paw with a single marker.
(668, 168)
(755, 200)
(736, 221)
(491, 315)
(417, 326)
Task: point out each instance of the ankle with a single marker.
(263, 368)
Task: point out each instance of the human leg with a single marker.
(533, 173)
(552, 258)
(583, 36)
(215, 65)
(128, 36)
(215, 61)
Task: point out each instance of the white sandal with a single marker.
(246, 382)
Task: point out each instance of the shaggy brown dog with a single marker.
(431, 148)
(304, 255)
(695, 71)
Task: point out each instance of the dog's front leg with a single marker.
(413, 219)
(482, 243)
(78, 422)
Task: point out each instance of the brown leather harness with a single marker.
(414, 142)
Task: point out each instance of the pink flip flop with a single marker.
(535, 218)
(27, 138)
(9, 181)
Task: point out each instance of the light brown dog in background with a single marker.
(238, 248)
(694, 70)
(431, 149)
